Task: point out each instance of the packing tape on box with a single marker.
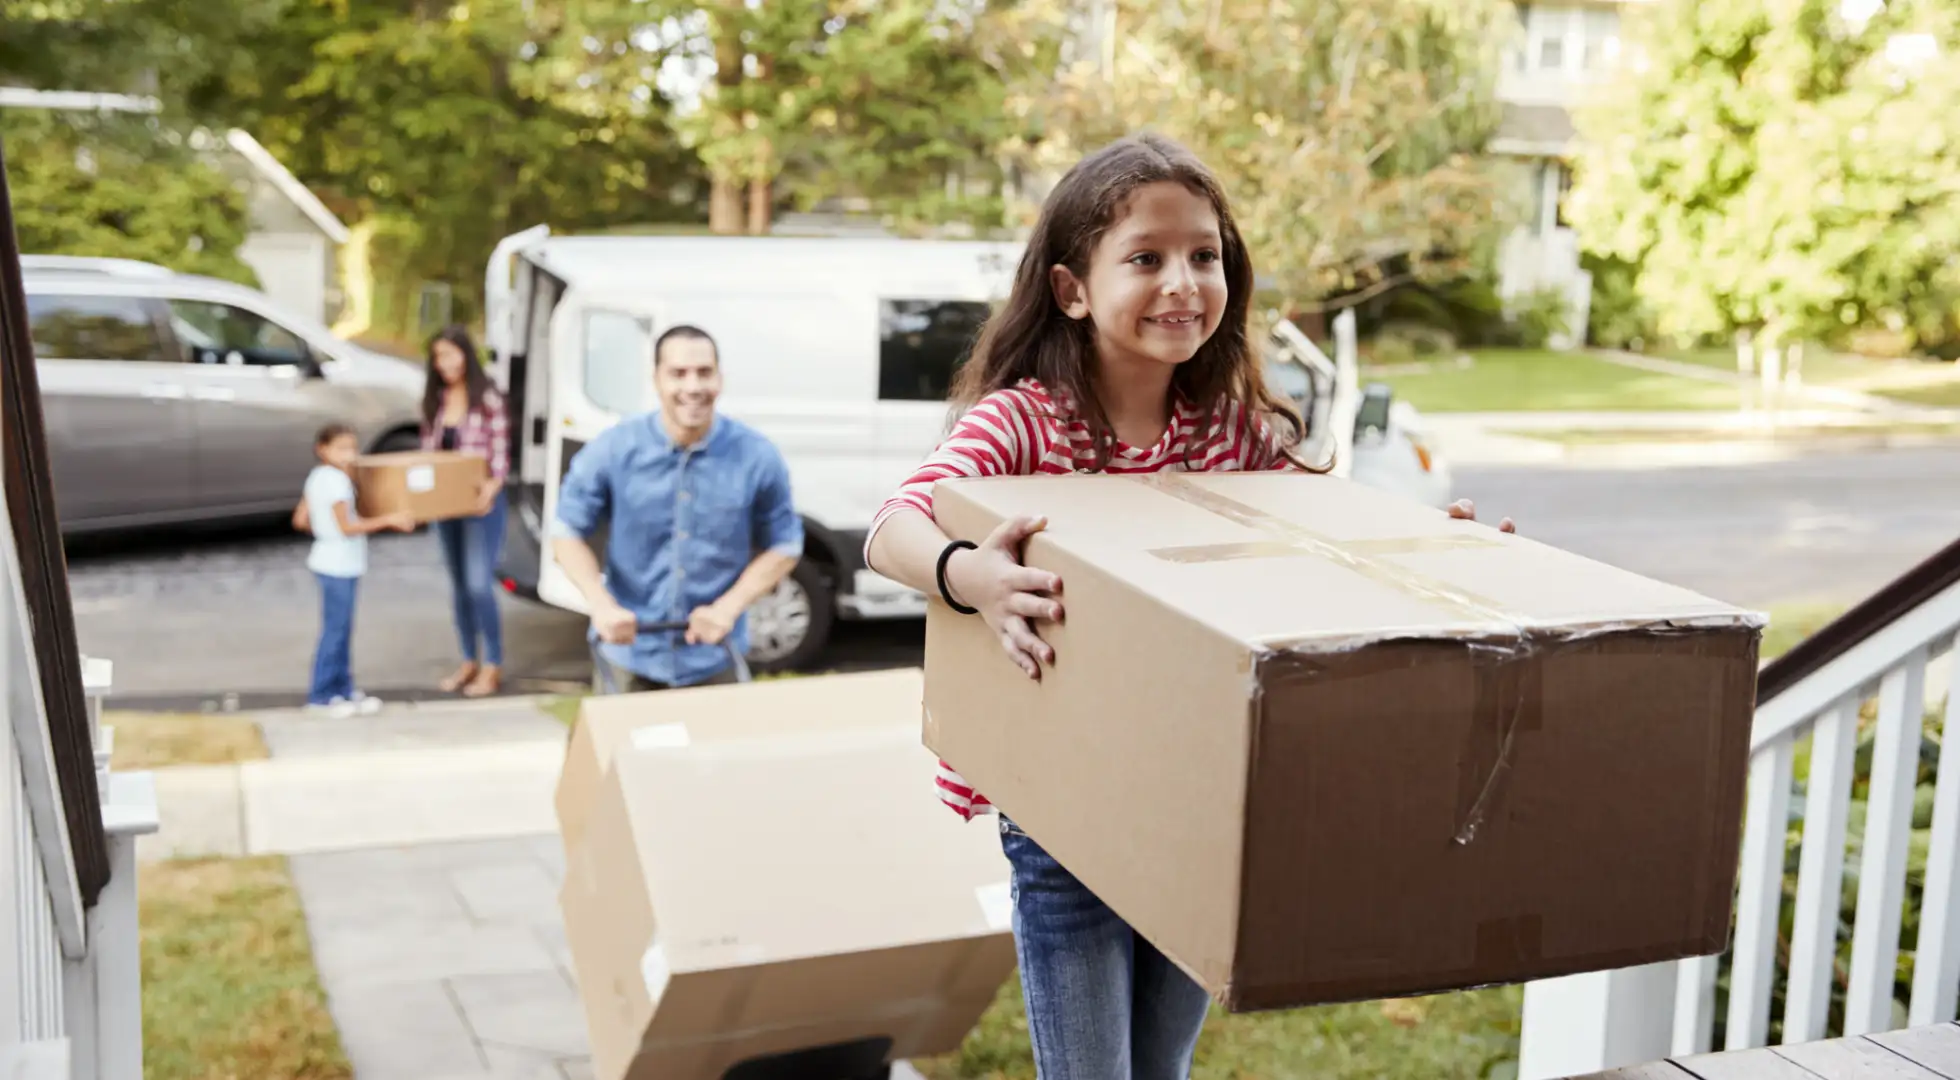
(1289, 538)
(1509, 695)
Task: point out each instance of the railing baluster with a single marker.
(1766, 823)
(1882, 858)
(1820, 873)
(1936, 960)
(1694, 1005)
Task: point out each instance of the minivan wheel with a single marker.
(791, 625)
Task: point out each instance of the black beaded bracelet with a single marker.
(945, 593)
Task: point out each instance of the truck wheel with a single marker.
(791, 625)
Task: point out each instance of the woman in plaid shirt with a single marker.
(461, 411)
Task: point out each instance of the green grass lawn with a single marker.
(1915, 382)
(1788, 433)
(157, 740)
(1525, 380)
(1469, 1036)
(229, 987)
(1793, 622)
(1944, 395)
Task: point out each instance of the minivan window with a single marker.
(921, 344)
(223, 334)
(92, 328)
(618, 362)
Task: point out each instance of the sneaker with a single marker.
(337, 709)
(366, 704)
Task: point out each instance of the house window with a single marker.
(1602, 38)
(922, 343)
(1551, 53)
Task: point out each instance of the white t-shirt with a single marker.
(333, 554)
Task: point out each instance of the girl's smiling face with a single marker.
(1155, 284)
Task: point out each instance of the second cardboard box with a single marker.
(430, 485)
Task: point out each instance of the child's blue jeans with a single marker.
(333, 660)
(1103, 1003)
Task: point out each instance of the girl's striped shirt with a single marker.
(1024, 430)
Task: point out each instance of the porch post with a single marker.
(1596, 1021)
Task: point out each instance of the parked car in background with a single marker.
(173, 398)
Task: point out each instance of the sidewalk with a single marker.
(424, 846)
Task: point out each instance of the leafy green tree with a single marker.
(1781, 167)
(120, 186)
(900, 103)
(1348, 135)
(463, 123)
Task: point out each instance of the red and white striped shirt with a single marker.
(1024, 430)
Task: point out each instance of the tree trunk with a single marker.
(725, 207)
(761, 190)
(725, 196)
(760, 211)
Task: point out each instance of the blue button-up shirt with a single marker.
(683, 523)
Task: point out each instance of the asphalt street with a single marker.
(227, 619)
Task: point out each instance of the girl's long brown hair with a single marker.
(1031, 337)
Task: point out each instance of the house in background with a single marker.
(1564, 47)
(292, 240)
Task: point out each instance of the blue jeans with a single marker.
(471, 549)
(333, 659)
(1103, 1003)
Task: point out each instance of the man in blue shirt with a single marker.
(700, 525)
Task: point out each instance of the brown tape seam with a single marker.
(1496, 720)
(1358, 556)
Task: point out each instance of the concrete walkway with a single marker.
(424, 846)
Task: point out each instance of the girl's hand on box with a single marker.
(1009, 596)
(402, 522)
(1467, 511)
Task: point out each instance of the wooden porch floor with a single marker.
(1927, 1053)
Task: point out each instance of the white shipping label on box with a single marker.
(997, 904)
(422, 478)
(660, 737)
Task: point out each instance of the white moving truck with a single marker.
(842, 352)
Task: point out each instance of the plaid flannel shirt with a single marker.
(484, 432)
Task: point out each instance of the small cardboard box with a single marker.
(735, 898)
(1319, 743)
(608, 723)
(432, 485)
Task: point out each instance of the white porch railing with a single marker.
(70, 974)
(1852, 752)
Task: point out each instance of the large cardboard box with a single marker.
(1320, 743)
(432, 485)
(786, 886)
(608, 723)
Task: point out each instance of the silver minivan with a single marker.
(171, 398)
